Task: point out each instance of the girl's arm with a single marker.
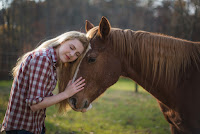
(70, 90)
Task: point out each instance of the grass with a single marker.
(118, 111)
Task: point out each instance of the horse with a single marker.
(165, 66)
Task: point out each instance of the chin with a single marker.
(64, 60)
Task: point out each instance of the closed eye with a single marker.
(72, 47)
(77, 54)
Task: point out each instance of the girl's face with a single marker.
(70, 50)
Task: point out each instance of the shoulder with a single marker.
(40, 56)
(37, 60)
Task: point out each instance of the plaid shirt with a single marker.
(35, 80)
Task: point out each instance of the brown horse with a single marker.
(166, 67)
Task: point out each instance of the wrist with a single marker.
(65, 95)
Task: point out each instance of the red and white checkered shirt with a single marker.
(35, 80)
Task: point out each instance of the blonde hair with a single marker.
(65, 74)
(66, 70)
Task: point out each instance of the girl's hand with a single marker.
(73, 88)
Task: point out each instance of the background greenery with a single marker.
(119, 111)
(26, 23)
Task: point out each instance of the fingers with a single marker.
(77, 85)
(79, 89)
(80, 86)
(77, 80)
(80, 82)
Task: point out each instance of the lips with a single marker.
(67, 57)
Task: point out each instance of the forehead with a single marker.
(97, 42)
(92, 32)
(77, 44)
(94, 38)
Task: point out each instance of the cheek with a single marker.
(61, 54)
(60, 50)
(110, 72)
(74, 58)
(64, 48)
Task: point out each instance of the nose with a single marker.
(78, 105)
(72, 53)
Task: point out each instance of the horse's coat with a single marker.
(167, 67)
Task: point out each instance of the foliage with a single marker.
(119, 111)
(26, 23)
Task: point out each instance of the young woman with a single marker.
(35, 78)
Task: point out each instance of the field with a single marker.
(118, 111)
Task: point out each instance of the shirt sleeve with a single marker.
(39, 72)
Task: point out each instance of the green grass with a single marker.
(118, 111)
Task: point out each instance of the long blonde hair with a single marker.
(66, 70)
(66, 73)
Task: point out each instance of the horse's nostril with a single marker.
(73, 101)
(86, 104)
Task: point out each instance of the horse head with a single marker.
(100, 67)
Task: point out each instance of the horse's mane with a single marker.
(160, 55)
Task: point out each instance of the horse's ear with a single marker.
(104, 27)
(88, 26)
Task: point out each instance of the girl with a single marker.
(35, 78)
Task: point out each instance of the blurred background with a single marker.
(26, 23)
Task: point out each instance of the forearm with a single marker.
(71, 89)
(49, 101)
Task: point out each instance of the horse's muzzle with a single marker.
(79, 106)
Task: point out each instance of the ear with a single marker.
(104, 27)
(88, 26)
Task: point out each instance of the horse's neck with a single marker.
(153, 77)
(134, 73)
(132, 66)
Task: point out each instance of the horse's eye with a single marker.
(91, 60)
